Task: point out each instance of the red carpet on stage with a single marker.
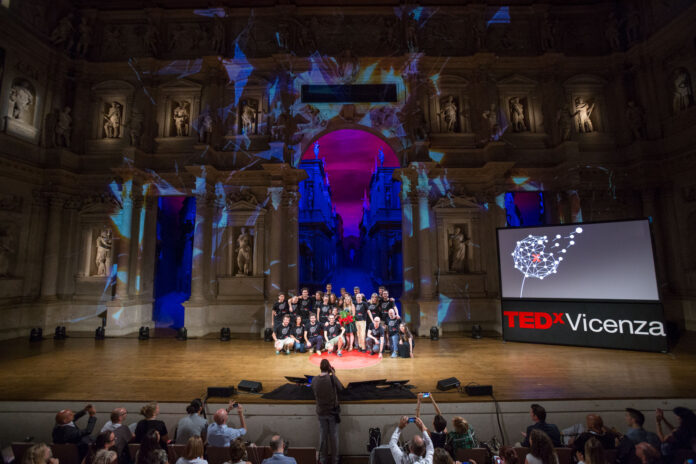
(349, 360)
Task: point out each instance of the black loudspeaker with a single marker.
(476, 331)
(249, 386)
(434, 333)
(182, 334)
(479, 390)
(225, 334)
(268, 335)
(99, 334)
(221, 392)
(36, 334)
(447, 384)
(59, 333)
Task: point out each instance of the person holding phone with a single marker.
(439, 436)
(219, 433)
(420, 448)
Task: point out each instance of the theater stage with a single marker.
(167, 370)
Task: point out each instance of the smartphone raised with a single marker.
(426, 395)
(411, 419)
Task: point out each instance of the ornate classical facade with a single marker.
(107, 107)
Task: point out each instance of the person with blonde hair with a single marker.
(193, 453)
(593, 453)
(105, 456)
(461, 437)
(39, 453)
(150, 422)
(349, 326)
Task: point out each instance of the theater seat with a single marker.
(256, 454)
(522, 453)
(480, 455)
(303, 455)
(217, 455)
(19, 448)
(174, 452)
(565, 455)
(66, 454)
(610, 456)
(133, 450)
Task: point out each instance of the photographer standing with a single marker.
(326, 387)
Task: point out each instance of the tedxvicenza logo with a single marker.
(543, 321)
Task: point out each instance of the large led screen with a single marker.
(594, 261)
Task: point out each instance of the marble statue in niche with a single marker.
(136, 128)
(104, 257)
(22, 101)
(548, 33)
(63, 33)
(683, 93)
(205, 128)
(517, 115)
(449, 113)
(85, 31)
(7, 250)
(583, 111)
(458, 244)
(244, 253)
(248, 115)
(112, 120)
(564, 119)
(635, 116)
(63, 128)
(180, 117)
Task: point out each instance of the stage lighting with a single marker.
(476, 331)
(144, 333)
(36, 334)
(99, 333)
(182, 334)
(225, 334)
(268, 335)
(59, 333)
(434, 333)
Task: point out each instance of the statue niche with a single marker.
(104, 257)
(244, 253)
(113, 120)
(518, 108)
(459, 249)
(449, 114)
(248, 117)
(683, 95)
(22, 101)
(181, 118)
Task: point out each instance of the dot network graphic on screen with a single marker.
(600, 261)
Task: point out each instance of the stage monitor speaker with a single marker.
(220, 392)
(479, 390)
(447, 384)
(249, 386)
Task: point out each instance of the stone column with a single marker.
(69, 248)
(37, 231)
(52, 248)
(123, 237)
(425, 267)
(292, 239)
(136, 243)
(275, 258)
(200, 239)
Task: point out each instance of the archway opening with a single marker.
(350, 214)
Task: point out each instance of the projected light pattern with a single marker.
(534, 261)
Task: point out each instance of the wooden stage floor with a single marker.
(167, 370)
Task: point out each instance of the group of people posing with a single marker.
(327, 323)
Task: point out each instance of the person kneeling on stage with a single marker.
(375, 338)
(297, 334)
(282, 338)
(405, 341)
(313, 335)
(333, 335)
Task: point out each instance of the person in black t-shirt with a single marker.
(356, 292)
(393, 331)
(297, 334)
(360, 320)
(280, 309)
(373, 308)
(387, 303)
(375, 337)
(318, 298)
(306, 304)
(324, 310)
(333, 336)
(281, 336)
(313, 334)
(294, 306)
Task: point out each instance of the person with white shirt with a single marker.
(420, 450)
(193, 454)
(219, 433)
